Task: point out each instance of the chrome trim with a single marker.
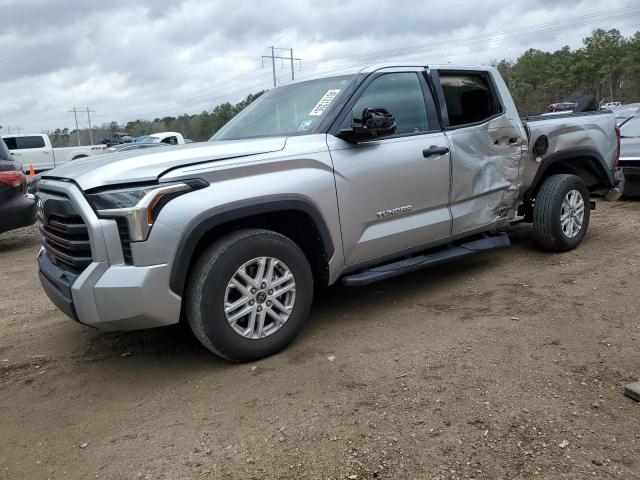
(136, 216)
(96, 238)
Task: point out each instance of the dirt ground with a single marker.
(509, 365)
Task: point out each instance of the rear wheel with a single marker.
(249, 294)
(561, 212)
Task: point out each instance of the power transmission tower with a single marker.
(75, 114)
(273, 57)
(16, 129)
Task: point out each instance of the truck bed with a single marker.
(538, 118)
(575, 133)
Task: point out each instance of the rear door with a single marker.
(487, 142)
(31, 150)
(391, 196)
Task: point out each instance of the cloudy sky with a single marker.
(151, 58)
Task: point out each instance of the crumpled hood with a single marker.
(148, 164)
(629, 148)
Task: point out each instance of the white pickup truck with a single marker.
(35, 149)
(170, 138)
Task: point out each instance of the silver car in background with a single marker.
(630, 155)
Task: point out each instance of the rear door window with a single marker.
(10, 142)
(469, 98)
(24, 143)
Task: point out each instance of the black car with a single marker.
(117, 138)
(16, 210)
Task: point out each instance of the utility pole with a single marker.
(75, 114)
(273, 57)
(89, 120)
(292, 76)
(273, 64)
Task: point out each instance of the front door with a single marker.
(393, 192)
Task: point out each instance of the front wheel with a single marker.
(561, 212)
(249, 294)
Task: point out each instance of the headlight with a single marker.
(140, 205)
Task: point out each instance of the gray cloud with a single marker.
(149, 58)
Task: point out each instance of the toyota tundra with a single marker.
(357, 177)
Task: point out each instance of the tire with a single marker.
(548, 209)
(208, 288)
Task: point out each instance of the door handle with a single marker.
(433, 150)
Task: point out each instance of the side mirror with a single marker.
(374, 123)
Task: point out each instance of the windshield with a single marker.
(296, 109)
(631, 128)
(148, 139)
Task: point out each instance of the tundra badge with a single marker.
(394, 211)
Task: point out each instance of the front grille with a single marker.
(65, 236)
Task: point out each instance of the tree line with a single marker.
(606, 67)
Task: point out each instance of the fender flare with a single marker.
(598, 163)
(205, 222)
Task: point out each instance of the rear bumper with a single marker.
(618, 186)
(17, 213)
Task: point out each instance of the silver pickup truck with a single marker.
(358, 177)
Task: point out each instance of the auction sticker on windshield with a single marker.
(324, 102)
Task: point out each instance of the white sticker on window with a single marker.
(324, 102)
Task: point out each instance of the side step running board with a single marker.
(438, 257)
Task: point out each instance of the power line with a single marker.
(517, 34)
(544, 28)
(522, 34)
(203, 95)
(508, 39)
